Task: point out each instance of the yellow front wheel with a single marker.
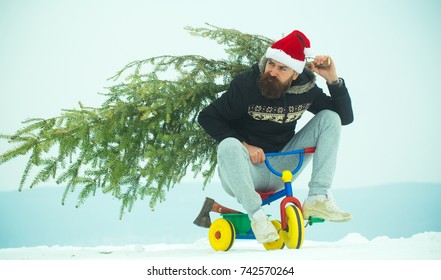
(277, 244)
(221, 235)
(295, 232)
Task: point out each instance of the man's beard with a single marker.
(271, 87)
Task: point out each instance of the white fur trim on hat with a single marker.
(282, 57)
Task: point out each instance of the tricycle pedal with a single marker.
(314, 220)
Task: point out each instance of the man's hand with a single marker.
(257, 155)
(329, 73)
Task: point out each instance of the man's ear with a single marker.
(295, 76)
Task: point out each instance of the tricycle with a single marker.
(236, 225)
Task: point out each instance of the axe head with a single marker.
(203, 219)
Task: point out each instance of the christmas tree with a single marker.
(143, 139)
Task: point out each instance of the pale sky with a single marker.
(56, 53)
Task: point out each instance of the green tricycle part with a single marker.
(314, 220)
(241, 222)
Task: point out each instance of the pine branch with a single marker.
(140, 143)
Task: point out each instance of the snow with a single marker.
(352, 256)
(354, 246)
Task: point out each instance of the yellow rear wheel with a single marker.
(295, 233)
(221, 235)
(277, 244)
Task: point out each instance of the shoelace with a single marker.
(333, 205)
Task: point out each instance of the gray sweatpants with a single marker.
(241, 179)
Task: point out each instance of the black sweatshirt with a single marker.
(244, 113)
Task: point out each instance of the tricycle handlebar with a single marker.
(300, 152)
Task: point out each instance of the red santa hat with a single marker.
(291, 51)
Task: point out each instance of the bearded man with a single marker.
(258, 114)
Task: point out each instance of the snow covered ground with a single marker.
(353, 256)
(423, 246)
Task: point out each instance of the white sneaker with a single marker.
(263, 229)
(324, 208)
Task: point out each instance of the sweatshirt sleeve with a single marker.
(217, 117)
(339, 102)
